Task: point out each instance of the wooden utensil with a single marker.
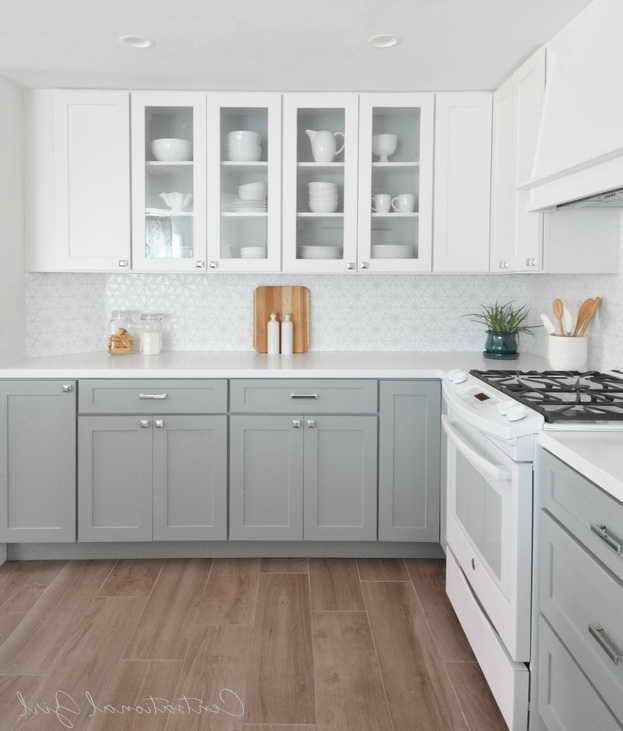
(583, 312)
(281, 300)
(558, 308)
(588, 319)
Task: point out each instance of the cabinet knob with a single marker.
(67, 387)
(311, 423)
(144, 423)
(365, 264)
(123, 263)
(350, 266)
(159, 423)
(212, 265)
(199, 264)
(296, 423)
(530, 261)
(503, 264)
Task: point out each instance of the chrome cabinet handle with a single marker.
(365, 264)
(613, 543)
(311, 423)
(304, 395)
(530, 261)
(598, 633)
(199, 264)
(350, 266)
(212, 265)
(296, 423)
(153, 396)
(503, 264)
(159, 423)
(123, 263)
(144, 423)
(67, 387)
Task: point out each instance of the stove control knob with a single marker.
(457, 376)
(505, 406)
(517, 413)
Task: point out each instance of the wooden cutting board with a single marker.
(282, 300)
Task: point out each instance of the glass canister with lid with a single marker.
(151, 333)
(122, 332)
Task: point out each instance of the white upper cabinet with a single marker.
(244, 182)
(79, 181)
(168, 181)
(320, 182)
(395, 182)
(516, 232)
(462, 182)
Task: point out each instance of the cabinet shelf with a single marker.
(245, 214)
(319, 165)
(395, 164)
(244, 165)
(169, 214)
(395, 215)
(311, 214)
(156, 167)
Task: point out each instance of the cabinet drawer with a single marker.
(299, 396)
(567, 701)
(193, 396)
(578, 596)
(588, 512)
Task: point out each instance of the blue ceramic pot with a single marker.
(501, 346)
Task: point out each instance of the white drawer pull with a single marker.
(613, 543)
(153, 396)
(304, 395)
(598, 633)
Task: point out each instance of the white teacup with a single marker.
(381, 203)
(404, 203)
(384, 145)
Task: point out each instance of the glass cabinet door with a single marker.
(395, 182)
(244, 182)
(320, 183)
(168, 174)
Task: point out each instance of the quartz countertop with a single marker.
(594, 454)
(248, 364)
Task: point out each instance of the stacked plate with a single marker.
(319, 251)
(323, 197)
(233, 204)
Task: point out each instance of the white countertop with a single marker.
(248, 364)
(597, 455)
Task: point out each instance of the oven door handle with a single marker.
(486, 468)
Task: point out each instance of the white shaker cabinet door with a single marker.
(462, 182)
(79, 186)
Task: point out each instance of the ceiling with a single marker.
(274, 44)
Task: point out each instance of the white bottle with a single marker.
(272, 335)
(287, 335)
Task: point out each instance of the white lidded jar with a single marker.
(272, 335)
(151, 333)
(287, 335)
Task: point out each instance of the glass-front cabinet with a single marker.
(320, 183)
(244, 182)
(168, 181)
(395, 182)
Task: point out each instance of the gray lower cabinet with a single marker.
(37, 461)
(340, 478)
(409, 460)
(190, 478)
(115, 477)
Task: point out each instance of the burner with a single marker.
(562, 395)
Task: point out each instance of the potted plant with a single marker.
(504, 323)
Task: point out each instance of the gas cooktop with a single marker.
(562, 396)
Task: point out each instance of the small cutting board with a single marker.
(282, 300)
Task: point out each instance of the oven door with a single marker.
(489, 530)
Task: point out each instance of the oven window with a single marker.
(479, 508)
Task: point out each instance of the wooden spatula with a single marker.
(587, 321)
(558, 309)
(585, 309)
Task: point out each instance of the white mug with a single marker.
(381, 203)
(404, 203)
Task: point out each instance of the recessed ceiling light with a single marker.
(136, 41)
(384, 40)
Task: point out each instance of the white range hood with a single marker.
(580, 151)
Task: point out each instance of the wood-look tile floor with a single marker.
(236, 645)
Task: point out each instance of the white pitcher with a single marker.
(324, 144)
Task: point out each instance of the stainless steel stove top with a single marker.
(562, 396)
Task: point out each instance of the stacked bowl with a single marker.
(323, 197)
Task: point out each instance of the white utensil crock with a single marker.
(567, 353)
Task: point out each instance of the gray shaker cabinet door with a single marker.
(115, 478)
(37, 461)
(190, 478)
(266, 478)
(340, 477)
(409, 461)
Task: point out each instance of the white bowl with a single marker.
(320, 187)
(172, 149)
(252, 252)
(244, 146)
(392, 251)
(319, 252)
(252, 191)
(328, 206)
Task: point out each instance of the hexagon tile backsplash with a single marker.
(67, 313)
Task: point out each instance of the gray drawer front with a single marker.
(577, 593)
(584, 508)
(567, 701)
(303, 396)
(133, 396)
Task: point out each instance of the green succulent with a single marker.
(503, 318)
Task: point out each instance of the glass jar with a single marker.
(122, 332)
(151, 333)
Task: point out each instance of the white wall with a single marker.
(11, 221)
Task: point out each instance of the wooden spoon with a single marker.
(585, 309)
(558, 309)
(595, 306)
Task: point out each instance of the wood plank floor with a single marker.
(236, 645)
